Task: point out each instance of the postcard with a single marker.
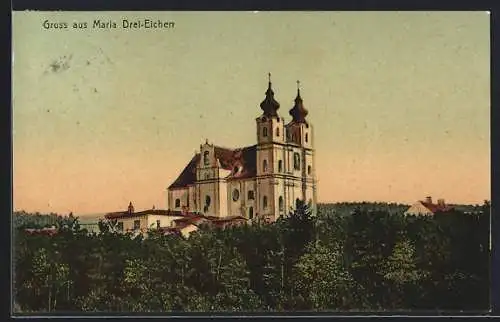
(250, 162)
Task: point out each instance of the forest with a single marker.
(348, 257)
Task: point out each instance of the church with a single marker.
(262, 181)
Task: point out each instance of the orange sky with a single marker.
(399, 102)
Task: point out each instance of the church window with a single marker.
(296, 161)
(177, 203)
(207, 176)
(280, 203)
(206, 160)
(280, 166)
(264, 166)
(277, 131)
(307, 137)
(236, 195)
(264, 132)
(264, 202)
(137, 224)
(250, 195)
(250, 212)
(309, 169)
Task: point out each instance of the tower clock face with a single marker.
(236, 195)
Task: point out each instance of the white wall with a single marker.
(128, 222)
(165, 221)
(182, 194)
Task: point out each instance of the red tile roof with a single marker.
(214, 221)
(436, 207)
(241, 162)
(224, 221)
(217, 221)
(247, 159)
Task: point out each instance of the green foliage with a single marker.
(349, 257)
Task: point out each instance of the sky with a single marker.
(399, 102)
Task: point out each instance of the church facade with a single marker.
(264, 180)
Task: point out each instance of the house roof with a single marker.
(43, 231)
(228, 220)
(155, 212)
(241, 162)
(436, 207)
(198, 219)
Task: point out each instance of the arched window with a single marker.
(280, 166)
(307, 137)
(264, 132)
(177, 203)
(277, 131)
(207, 201)
(264, 166)
(206, 160)
(309, 169)
(236, 195)
(264, 202)
(250, 212)
(296, 161)
(280, 203)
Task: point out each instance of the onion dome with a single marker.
(269, 105)
(298, 111)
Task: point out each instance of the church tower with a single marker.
(299, 139)
(271, 166)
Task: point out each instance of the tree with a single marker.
(322, 278)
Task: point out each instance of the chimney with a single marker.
(428, 199)
(130, 208)
(441, 202)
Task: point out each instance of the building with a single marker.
(427, 207)
(131, 221)
(264, 180)
(181, 223)
(90, 224)
(49, 231)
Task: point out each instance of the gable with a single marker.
(241, 162)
